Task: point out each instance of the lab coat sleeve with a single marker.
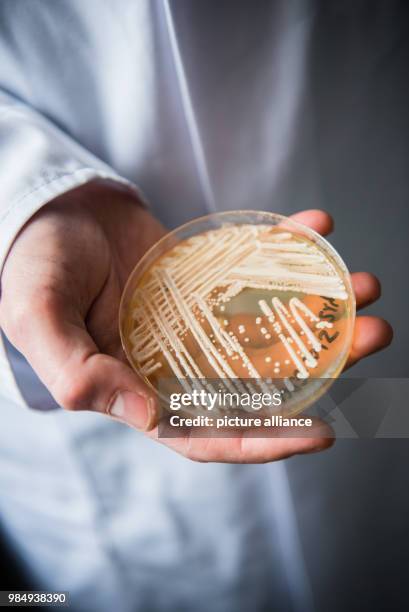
(38, 162)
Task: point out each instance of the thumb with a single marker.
(54, 340)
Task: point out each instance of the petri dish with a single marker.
(240, 300)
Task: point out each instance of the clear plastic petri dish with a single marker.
(240, 301)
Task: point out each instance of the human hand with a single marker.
(61, 287)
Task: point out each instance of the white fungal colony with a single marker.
(239, 302)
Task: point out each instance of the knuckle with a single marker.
(73, 392)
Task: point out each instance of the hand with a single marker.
(61, 287)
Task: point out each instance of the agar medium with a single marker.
(242, 301)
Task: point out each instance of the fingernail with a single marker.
(134, 409)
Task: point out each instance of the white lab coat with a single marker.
(203, 106)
